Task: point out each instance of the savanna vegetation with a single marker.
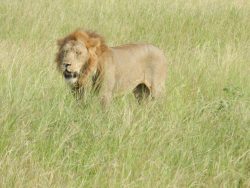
(197, 135)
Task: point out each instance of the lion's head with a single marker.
(77, 55)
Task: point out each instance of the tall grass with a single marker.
(198, 135)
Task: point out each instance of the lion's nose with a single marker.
(66, 65)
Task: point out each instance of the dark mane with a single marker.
(84, 36)
(103, 47)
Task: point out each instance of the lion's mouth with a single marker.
(69, 75)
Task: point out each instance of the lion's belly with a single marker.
(128, 75)
(125, 84)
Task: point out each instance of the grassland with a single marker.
(198, 135)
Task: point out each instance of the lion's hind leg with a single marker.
(141, 92)
(157, 89)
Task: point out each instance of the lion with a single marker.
(84, 57)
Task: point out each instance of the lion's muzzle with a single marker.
(68, 75)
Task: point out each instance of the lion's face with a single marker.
(73, 55)
(77, 56)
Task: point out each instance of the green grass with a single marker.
(196, 136)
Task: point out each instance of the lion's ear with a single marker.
(94, 42)
(60, 42)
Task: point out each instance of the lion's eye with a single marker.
(78, 52)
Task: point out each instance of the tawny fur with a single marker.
(116, 70)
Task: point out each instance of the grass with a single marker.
(196, 136)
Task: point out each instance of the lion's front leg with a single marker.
(106, 93)
(107, 83)
(106, 99)
(106, 90)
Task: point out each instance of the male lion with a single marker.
(138, 68)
